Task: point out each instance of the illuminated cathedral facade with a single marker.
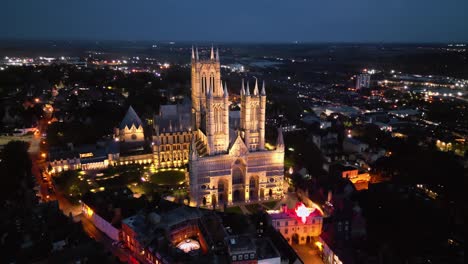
(229, 164)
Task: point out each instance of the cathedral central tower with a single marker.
(210, 104)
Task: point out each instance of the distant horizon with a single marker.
(208, 42)
(241, 21)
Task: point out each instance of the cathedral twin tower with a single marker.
(230, 164)
(210, 104)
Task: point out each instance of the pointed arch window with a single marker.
(203, 83)
(218, 119)
(212, 82)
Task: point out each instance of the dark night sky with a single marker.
(237, 20)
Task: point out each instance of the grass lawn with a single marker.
(122, 169)
(169, 177)
(120, 175)
(270, 204)
(253, 208)
(69, 182)
(235, 209)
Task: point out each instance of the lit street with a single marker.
(308, 253)
(97, 235)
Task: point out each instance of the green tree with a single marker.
(15, 167)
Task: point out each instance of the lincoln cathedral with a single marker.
(225, 150)
(229, 163)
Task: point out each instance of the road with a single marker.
(308, 253)
(102, 238)
(45, 185)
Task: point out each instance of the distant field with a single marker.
(5, 139)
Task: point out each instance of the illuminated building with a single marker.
(230, 165)
(363, 81)
(154, 235)
(85, 157)
(182, 234)
(298, 225)
(131, 128)
(173, 134)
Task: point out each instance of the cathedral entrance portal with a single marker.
(238, 181)
(236, 196)
(253, 188)
(222, 191)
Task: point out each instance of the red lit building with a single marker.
(298, 225)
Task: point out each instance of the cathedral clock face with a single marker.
(134, 136)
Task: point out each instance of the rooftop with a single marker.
(131, 118)
(240, 243)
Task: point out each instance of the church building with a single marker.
(230, 165)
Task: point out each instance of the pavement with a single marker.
(243, 209)
(96, 234)
(308, 253)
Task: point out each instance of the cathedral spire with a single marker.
(193, 53)
(247, 91)
(280, 140)
(221, 85)
(193, 149)
(242, 91)
(212, 53)
(196, 53)
(217, 54)
(210, 91)
(226, 94)
(255, 91)
(263, 93)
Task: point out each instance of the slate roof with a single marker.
(131, 118)
(173, 118)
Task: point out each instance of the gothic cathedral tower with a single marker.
(253, 116)
(210, 104)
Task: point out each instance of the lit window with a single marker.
(234, 258)
(252, 255)
(240, 257)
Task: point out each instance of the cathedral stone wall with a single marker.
(227, 167)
